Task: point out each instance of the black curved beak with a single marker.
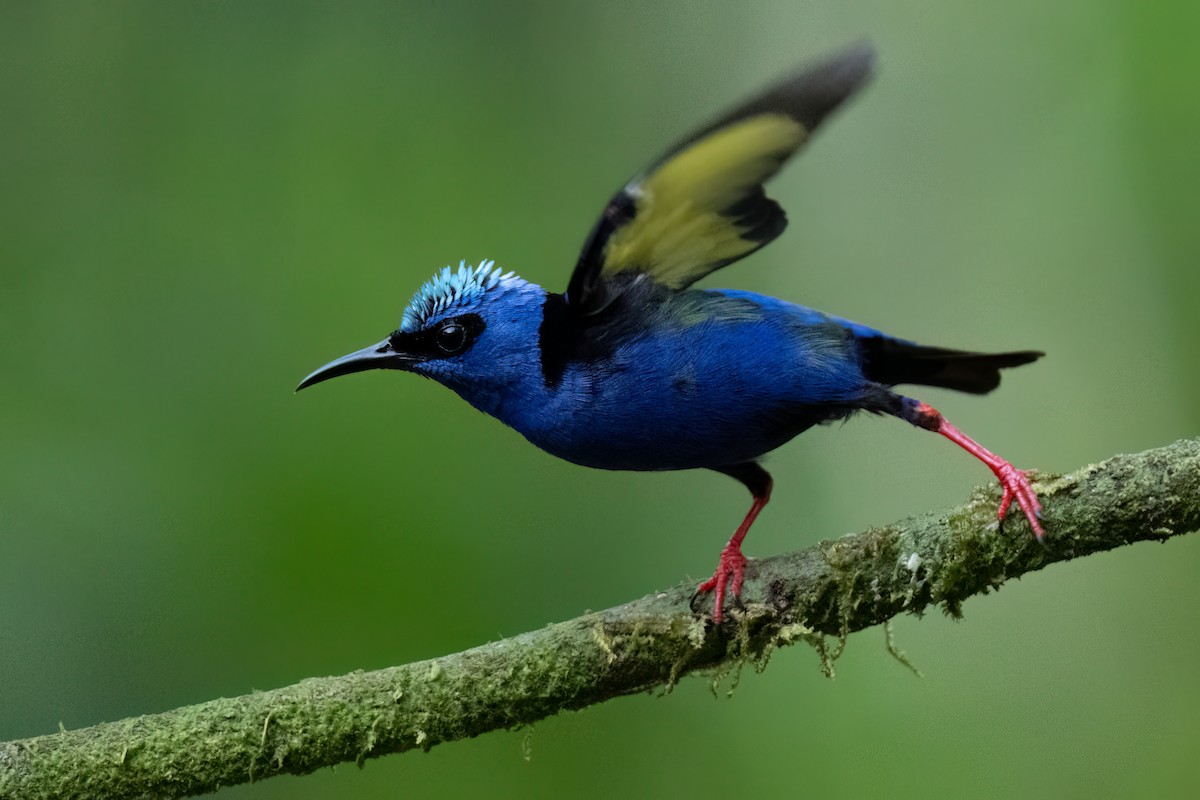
(377, 356)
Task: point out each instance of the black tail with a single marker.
(890, 361)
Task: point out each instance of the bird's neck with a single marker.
(509, 382)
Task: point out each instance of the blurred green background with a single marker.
(201, 202)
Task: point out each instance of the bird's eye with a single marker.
(451, 338)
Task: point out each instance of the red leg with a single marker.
(731, 566)
(1015, 482)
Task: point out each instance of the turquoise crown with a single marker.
(449, 288)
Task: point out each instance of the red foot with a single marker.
(1015, 482)
(1016, 486)
(732, 564)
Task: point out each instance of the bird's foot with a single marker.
(1017, 487)
(1015, 482)
(731, 571)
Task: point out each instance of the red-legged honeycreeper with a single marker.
(633, 369)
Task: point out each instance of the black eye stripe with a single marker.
(446, 339)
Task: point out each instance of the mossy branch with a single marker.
(816, 595)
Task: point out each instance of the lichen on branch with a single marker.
(817, 595)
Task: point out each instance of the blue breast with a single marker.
(708, 378)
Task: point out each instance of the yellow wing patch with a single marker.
(682, 228)
(703, 205)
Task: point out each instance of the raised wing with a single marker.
(702, 205)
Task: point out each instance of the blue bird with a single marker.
(632, 369)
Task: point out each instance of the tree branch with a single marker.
(816, 595)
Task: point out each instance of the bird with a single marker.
(631, 368)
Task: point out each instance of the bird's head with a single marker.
(473, 329)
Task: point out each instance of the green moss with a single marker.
(817, 596)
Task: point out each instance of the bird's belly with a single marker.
(670, 437)
(704, 395)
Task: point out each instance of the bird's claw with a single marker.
(731, 572)
(1017, 487)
